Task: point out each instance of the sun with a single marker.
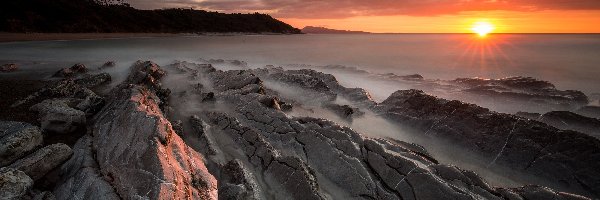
(482, 28)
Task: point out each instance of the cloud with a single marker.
(330, 9)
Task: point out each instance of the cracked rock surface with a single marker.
(302, 157)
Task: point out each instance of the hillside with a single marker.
(88, 16)
(323, 30)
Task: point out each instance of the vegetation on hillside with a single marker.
(106, 16)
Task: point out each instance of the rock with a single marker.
(14, 184)
(525, 89)
(46, 195)
(108, 64)
(91, 81)
(43, 160)
(16, 140)
(57, 116)
(66, 88)
(136, 146)
(8, 67)
(147, 73)
(345, 111)
(566, 120)
(412, 77)
(589, 111)
(81, 177)
(528, 115)
(237, 182)
(529, 147)
(207, 97)
(71, 71)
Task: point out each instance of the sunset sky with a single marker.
(413, 16)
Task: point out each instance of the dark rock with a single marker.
(207, 146)
(566, 120)
(523, 145)
(57, 116)
(344, 111)
(528, 115)
(412, 77)
(207, 97)
(71, 71)
(91, 81)
(108, 64)
(43, 160)
(589, 111)
(16, 140)
(62, 89)
(177, 127)
(525, 89)
(236, 182)
(8, 67)
(14, 184)
(147, 73)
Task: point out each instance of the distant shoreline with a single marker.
(25, 37)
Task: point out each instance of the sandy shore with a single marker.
(17, 37)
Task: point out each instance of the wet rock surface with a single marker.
(311, 158)
(241, 134)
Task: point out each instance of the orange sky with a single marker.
(413, 16)
(504, 22)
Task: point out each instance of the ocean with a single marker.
(570, 61)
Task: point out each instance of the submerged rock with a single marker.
(43, 160)
(344, 111)
(16, 140)
(108, 64)
(71, 71)
(8, 67)
(14, 184)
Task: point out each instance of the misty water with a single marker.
(571, 62)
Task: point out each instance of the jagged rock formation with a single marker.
(310, 158)
(137, 149)
(568, 157)
(247, 140)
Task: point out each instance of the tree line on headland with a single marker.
(110, 16)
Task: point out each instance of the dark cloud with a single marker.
(349, 8)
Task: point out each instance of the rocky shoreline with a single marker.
(192, 131)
